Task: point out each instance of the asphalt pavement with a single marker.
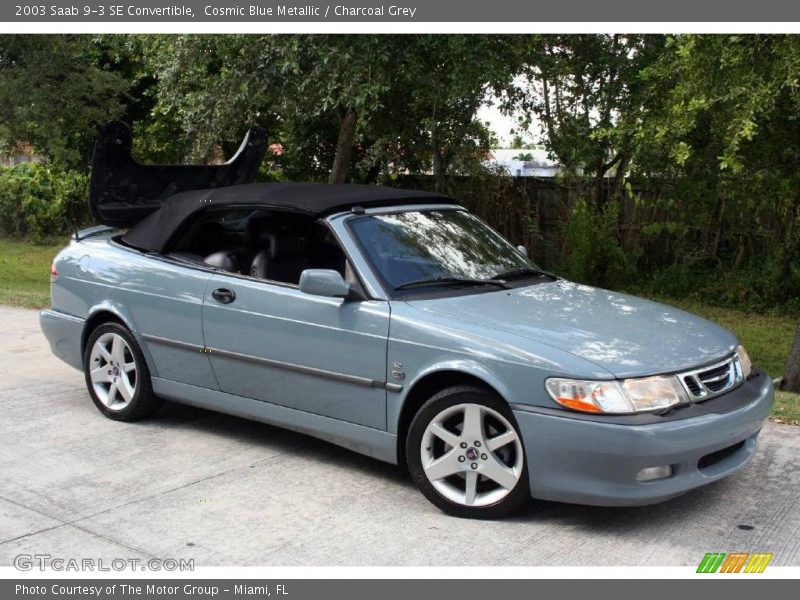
(227, 492)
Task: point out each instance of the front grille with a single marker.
(694, 387)
(714, 380)
(718, 378)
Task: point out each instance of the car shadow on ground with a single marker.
(595, 519)
(174, 415)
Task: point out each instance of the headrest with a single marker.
(223, 260)
(284, 245)
(257, 226)
(208, 236)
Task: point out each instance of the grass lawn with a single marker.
(787, 408)
(25, 281)
(25, 272)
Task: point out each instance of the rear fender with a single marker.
(118, 313)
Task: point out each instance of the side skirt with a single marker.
(364, 440)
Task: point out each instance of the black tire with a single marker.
(515, 499)
(144, 402)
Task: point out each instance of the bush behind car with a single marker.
(38, 201)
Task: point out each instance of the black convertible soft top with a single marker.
(314, 199)
(153, 201)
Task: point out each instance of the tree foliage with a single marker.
(54, 90)
(445, 80)
(695, 139)
(730, 119)
(586, 92)
(345, 106)
(314, 94)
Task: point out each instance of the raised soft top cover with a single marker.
(154, 232)
(155, 200)
(123, 192)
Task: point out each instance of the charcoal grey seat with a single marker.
(258, 226)
(283, 259)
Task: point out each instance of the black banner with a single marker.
(334, 589)
(403, 11)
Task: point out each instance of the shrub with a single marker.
(40, 201)
(592, 251)
(751, 287)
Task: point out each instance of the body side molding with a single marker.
(277, 364)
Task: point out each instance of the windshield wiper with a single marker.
(522, 272)
(448, 281)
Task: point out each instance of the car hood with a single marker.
(627, 336)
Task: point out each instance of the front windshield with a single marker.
(422, 245)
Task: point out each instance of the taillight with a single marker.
(53, 272)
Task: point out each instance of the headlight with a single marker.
(617, 397)
(744, 361)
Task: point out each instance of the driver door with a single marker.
(271, 342)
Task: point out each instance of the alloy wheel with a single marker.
(472, 455)
(113, 371)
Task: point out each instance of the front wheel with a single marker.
(466, 456)
(117, 376)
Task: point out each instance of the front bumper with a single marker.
(589, 461)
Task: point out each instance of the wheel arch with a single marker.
(106, 313)
(431, 382)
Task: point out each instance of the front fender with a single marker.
(469, 368)
(422, 343)
(466, 366)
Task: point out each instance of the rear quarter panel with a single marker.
(152, 296)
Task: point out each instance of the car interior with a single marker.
(270, 245)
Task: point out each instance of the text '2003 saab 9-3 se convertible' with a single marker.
(397, 324)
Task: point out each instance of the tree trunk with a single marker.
(439, 174)
(789, 250)
(344, 146)
(440, 164)
(791, 377)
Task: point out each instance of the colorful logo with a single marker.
(734, 562)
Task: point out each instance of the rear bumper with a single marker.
(595, 462)
(63, 333)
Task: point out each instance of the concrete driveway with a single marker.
(225, 491)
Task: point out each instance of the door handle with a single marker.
(224, 295)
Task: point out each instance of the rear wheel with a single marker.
(117, 376)
(466, 456)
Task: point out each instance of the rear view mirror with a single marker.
(522, 250)
(324, 282)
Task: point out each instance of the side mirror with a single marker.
(324, 282)
(522, 250)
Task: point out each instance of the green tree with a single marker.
(586, 92)
(340, 104)
(449, 78)
(730, 116)
(220, 84)
(54, 91)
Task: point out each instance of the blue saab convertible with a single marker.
(397, 324)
